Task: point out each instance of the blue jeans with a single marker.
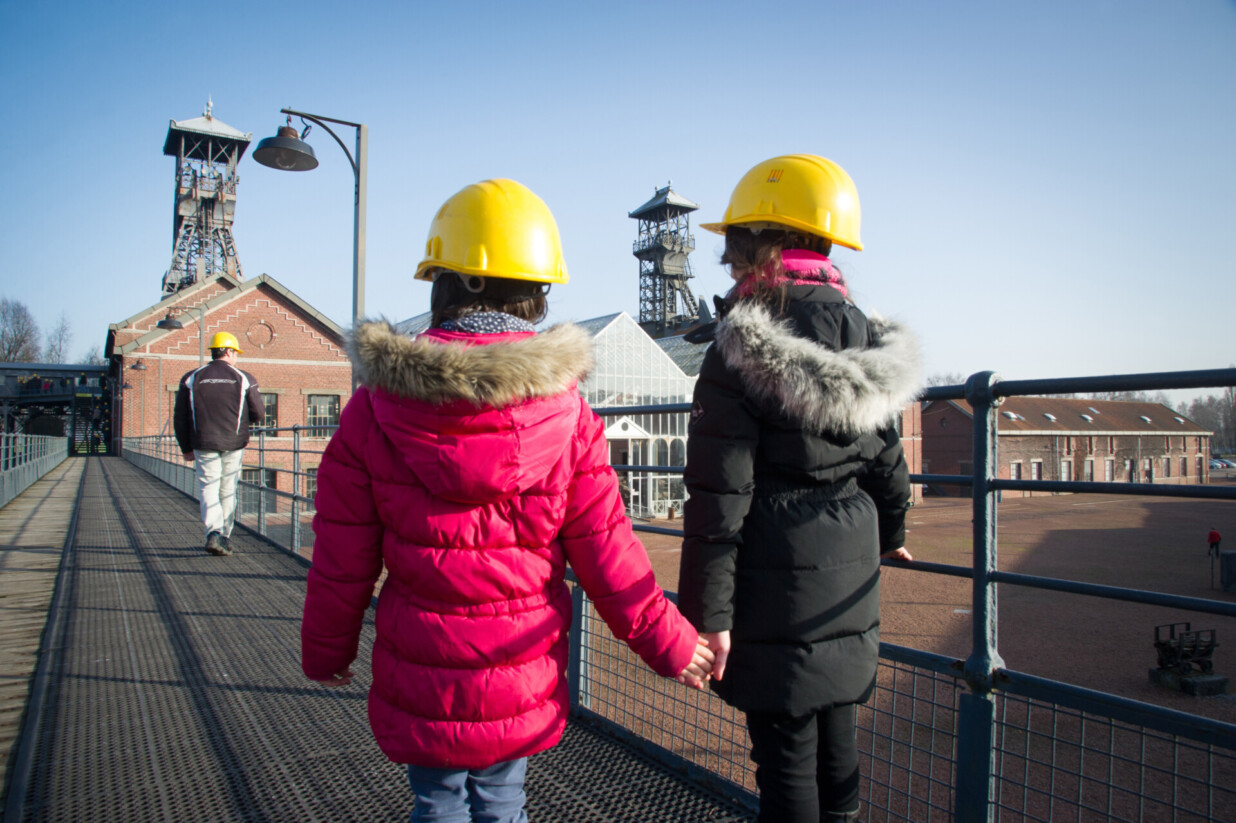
(493, 795)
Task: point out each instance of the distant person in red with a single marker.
(1213, 539)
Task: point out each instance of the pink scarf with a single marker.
(799, 268)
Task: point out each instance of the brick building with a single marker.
(295, 352)
(1050, 438)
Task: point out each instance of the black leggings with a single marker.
(806, 767)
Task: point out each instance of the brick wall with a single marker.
(288, 351)
(1139, 458)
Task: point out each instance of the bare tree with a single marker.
(954, 378)
(19, 333)
(1216, 413)
(58, 340)
(94, 356)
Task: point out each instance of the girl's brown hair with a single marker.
(458, 295)
(756, 256)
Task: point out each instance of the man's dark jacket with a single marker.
(214, 407)
(797, 482)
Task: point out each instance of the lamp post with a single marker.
(141, 425)
(288, 151)
(170, 322)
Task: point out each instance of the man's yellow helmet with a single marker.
(224, 340)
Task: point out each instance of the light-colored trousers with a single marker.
(217, 473)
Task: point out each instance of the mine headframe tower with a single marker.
(664, 243)
(207, 152)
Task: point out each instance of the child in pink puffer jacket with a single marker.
(468, 464)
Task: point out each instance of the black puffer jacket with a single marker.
(797, 483)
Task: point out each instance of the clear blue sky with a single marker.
(1048, 189)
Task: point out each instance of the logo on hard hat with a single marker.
(775, 175)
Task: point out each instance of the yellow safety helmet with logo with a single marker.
(801, 192)
(223, 340)
(495, 228)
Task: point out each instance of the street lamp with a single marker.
(288, 151)
(170, 322)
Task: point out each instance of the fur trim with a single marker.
(850, 391)
(496, 375)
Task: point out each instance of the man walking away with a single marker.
(214, 407)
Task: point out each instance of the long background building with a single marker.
(1056, 438)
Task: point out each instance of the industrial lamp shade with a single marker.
(169, 322)
(286, 151)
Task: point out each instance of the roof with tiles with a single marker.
(1060, 415)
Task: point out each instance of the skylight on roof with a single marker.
(1010, 415)
(1087, 418)
(1179, 420)
(1145, 418)
(1050, 416)
(1093, 409)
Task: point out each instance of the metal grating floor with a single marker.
(176, 693)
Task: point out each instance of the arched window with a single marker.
(661, 453)
(678, 452)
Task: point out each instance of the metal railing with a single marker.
(946, 738)
(282, 513)
(24, 458)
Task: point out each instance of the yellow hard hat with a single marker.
(802, 192)
(495, 228)
(223, 340)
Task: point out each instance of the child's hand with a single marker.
(719, 642)
(700, 667)
(343, 678)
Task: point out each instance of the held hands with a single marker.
(699, 669)
(343, 678)
(188, 456)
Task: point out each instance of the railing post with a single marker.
(976, 721)
(295, 489)
(261, 507)
(578, 676)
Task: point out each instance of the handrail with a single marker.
(25, 458)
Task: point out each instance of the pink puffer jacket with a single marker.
(470, 466)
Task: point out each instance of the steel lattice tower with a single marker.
(663, 245)
(207, 152)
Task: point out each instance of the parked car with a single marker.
(1227, 464)
(1217, 464)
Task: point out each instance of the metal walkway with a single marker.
(174, 692)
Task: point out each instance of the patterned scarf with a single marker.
(488, 322)
(799, 267)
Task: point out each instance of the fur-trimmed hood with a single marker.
(852, 391)
(497, 375)
(477, 418)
